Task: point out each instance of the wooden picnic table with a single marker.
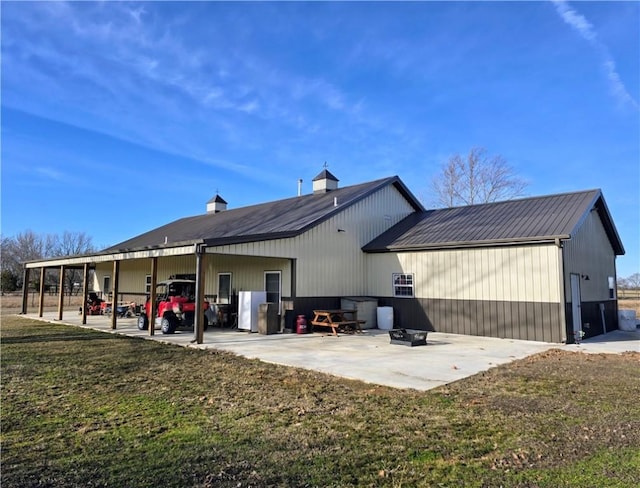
(336, 319)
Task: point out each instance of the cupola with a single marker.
(216, 204)
(325, 182)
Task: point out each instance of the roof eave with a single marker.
(469, 244)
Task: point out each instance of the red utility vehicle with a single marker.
(175, 306)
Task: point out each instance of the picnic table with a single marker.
(336, 320)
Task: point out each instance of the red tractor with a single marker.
(175, 306)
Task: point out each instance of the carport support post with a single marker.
(152, 296)
(114, 298)
(43, 271)
(198, 323)
(85, 285)
(25, 289)
(61, 293)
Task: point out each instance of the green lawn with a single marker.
(82, 408)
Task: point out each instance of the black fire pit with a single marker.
(408, 337)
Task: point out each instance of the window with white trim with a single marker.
(147, 284)
(403, 285)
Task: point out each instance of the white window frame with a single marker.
(403, 285)
(227, 300)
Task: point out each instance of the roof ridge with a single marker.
(520, 199)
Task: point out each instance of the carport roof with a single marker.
(272, 220)
(538, 219)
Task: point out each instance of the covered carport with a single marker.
(88, 262)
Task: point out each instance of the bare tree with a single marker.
(29, 246)
(478, 178)
(72, 244)
(633, 281)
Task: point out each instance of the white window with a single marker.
(224, 288)
(403, 285)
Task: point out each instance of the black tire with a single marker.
(143, 322)
(206, 322)
(168, 324)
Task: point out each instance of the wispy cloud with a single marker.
(49, 173)
(587, 31)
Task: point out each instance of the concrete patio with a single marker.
(367, 357)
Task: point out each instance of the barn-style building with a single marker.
(539, 268)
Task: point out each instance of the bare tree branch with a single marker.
(478, 178)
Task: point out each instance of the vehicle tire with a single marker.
(206, 322)
(143, 322)
(168, 325)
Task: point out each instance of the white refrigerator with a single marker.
(248, 305)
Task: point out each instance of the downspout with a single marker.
(563, 300)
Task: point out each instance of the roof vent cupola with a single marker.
(216, 204)
(325, 182)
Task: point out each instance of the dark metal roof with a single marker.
(273, 220)
(537, 219)
(217, 199)
(325, 175)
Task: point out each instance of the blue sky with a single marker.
(119, 117)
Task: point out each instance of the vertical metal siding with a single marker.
(523, 273)
(589, 253)
(331, 263)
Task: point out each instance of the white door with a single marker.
(575, 307)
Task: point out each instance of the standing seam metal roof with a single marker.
(272, 220)
(525, 220)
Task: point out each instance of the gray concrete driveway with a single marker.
(370, 357)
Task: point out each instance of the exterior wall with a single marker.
(330, 263)
(589, 253)
(247, 273)
(511, 291)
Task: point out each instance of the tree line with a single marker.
(30, 246)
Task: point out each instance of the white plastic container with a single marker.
(627, 320)
(385, 318)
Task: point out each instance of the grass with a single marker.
(82, 408)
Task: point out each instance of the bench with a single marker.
(336, 320)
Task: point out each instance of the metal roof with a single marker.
(325, 174)
(272, 220)
(537, 219)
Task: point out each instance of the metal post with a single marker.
(85, 286)
(152, 296)
(114, 297)
(61, 293)
(43, 272)
(25, 289)
(198, 325)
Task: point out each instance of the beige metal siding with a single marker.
(330, 262)
(515, 273)
(589, 253)
(247, 273)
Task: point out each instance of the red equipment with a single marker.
(301, 325)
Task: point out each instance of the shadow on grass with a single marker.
(29, 339)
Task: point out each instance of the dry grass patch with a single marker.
(82, 408)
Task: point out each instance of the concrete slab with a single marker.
(369, 357)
